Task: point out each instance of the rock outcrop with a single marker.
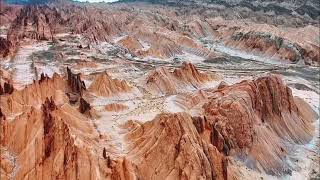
(8, 12)
(7, 88)
(35, 94)
(274, 46)
(116, 107)
(1, 114)
(163, 81)
(55, 142)
(5, 47)
(104, 85)
(84, 106)
(161, 48)
(46, 147)
(188, 101)
(35, 22)
(184, 155)
(255, 115)
(75, 82)
(5, 76)
(252, 120)
(222, 85)
(131, 43)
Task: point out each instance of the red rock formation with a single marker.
(34, 22)
(47, 138)
(5, 47)
(84, 106)
(48, 123)
(75, 82)
(199, 123)
(115, 107)
(1, 90)
(222, 85)
(164, 33)
(275, 46)
(49, 105)
(189, 73)
(162, 48)
(191, 45)
(250, 118)
(154, 43)
(7, 88)
(5, 76)
(104, 85)
(42, 22)
(163, 81)
(43, 77)
(56, 142)
(241, 113)
(73, 97)
(253, 118)
(35, 94)
(184, 155)
(222, 142)
(8, 12)
(131, 43)
(1, 114)
(190, 100)
(163, 44)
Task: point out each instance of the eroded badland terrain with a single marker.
(159, 90)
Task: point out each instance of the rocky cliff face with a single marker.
(76, 84)
(253, 115)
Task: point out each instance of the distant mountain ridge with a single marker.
(310, 8)
(292, 2)
(28, 2)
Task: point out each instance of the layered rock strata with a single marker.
(163, 81)
(252, 115)
(104, 85)
(274, 46)
(184, 154)
(249, 121)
